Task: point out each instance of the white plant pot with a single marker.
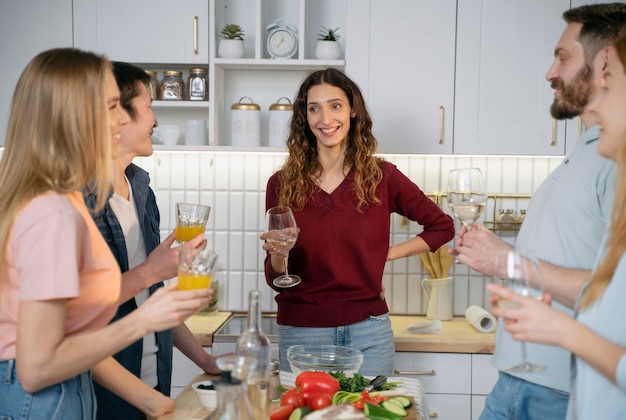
(230, 48)
(327, 50)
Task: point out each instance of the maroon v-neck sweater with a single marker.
(340, 253)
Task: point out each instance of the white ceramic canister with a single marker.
(245, 127)
(280, 114)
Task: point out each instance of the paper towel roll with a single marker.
(482, 320)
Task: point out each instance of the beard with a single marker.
(574, 95)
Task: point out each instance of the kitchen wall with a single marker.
(233, 184)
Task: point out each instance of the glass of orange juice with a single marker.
(190, 220)
(195, 268)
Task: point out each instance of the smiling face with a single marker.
(118, 118)
(609, 107)
(136, 136)
(570, 76)
(328, 115)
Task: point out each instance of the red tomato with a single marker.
(293, 397)
(313, 382)
(282, 412)
(319, 401)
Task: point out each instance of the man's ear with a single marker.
(607, 54)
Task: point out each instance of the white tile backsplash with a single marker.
(233, 184)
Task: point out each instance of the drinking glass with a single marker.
(466, 194)
(190, 220)
(195, 268)
(282, 232)
(517, 270)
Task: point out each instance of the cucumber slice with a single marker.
(376, 411)
(299, 412)
(394, 408)
(404, 401)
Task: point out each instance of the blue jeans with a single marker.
(70, 400)
(515, 398)
(372, 336)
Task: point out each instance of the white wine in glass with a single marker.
(466, 194)
(282, 233)
(518, 270)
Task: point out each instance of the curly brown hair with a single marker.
(300, 174)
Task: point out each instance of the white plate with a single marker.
(409, 387)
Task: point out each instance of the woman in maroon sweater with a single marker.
(342, 196)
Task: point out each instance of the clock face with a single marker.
(282, 43)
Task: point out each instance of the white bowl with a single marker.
(169, 134)
(207, 397)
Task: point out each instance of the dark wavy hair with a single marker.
(300, 174)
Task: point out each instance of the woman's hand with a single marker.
(157, 405)
(532, 320)
(169, 307)
(163, 260)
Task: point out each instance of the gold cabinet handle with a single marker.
(431, 372)
(433, 415)
(441, 115)
(195, 35)
(553, 142)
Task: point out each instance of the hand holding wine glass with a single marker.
(517, 270)
(466, 194)
(282, 233)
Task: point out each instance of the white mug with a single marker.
(195, 132)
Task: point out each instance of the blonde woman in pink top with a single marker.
(59, 283)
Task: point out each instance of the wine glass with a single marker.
(467, 196)
(517, 270)
(282, 232)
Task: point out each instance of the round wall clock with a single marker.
(282, 40)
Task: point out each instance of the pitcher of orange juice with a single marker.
(195, 268)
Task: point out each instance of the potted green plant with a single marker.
(328, 47)
(231, 46)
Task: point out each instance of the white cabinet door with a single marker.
(439, 373)
(144, 31)
(28, 27)
(401, 54)
(183, 371)
(448, 406)
(484, 375)
(502, 98)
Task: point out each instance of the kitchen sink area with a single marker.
(225, 338)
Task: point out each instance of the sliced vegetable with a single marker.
(376, 411)
(394, 408)
(311, 383)
(299, 412)
(403, 401)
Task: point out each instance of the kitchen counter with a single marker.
(204, 326)
(458, 335)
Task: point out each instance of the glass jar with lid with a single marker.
(153, 87)
(198, 85)
(172, 86)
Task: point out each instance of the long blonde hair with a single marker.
(58, 137)
(617, 241)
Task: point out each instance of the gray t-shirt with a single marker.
(566, 220)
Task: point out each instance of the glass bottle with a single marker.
(232, 400)
(252, 343)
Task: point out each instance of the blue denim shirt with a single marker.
(109, 405)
